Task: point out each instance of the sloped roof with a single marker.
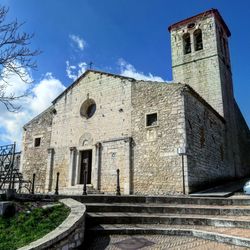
(49, 109)
(84, 75)
(203, 101)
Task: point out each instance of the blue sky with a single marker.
(118, 36)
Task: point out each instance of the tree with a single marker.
(15, 58)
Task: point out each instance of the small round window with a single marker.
(88, 108)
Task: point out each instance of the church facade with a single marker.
(165, 138)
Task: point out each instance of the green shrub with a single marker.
(28, 226)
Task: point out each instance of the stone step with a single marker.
(170, 219)
(241, 200)
(234, 236)
(78, 190)
(133, 199)
(168, 208)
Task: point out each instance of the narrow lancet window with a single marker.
(186, 43)
(198, 44)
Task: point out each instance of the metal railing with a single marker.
(10, 177)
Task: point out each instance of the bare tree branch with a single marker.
(15, 58)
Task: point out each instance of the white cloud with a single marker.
(45, 92)
(78, 41)
(39, 98)
(127, 69)
(82, 67)
(70, 69)
(14, 84)
(74, 71)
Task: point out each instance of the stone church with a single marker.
(165, 138)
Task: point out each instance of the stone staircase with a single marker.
(78, 190)
(224, 220)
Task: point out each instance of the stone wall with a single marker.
(243, 135)
(115, 155)
(68, 235)
(156, 165)
(119, 138)
(34, 159)
(207, 158)
(111, 120)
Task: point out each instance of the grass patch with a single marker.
(28, 226)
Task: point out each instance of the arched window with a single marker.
(186, 43)
(198, 45)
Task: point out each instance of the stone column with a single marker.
(72, 166)
(76, 177)
(127, 172)
(97, 183)
(49, 170)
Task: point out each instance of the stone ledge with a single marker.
(72, 227)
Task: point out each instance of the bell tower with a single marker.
(200, 58)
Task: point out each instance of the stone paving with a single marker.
(153, 242)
